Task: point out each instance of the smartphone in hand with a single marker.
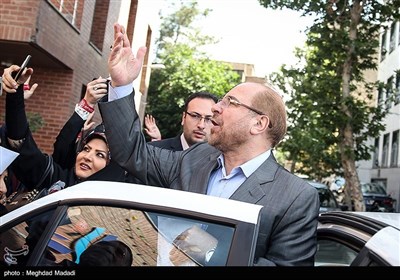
(16, 75)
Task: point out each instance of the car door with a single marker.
(62, 229)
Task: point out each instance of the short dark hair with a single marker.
(200, 94)
(107, 253)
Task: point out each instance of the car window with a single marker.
(326, 198)
(333, 253)
(372, 188)
(148, 238)
(18, 242)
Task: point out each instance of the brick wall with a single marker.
(51, 100)
(20, 16)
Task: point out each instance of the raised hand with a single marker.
(29, 90)
(123, 66)
(151, 128)
(88, 125)
(8, 82)
(95, 90)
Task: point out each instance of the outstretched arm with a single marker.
(122, 124)
(16, 121)
(65, 146)
(31, 162)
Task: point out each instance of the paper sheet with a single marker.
(6, 158)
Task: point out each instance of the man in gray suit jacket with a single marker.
(236, 163)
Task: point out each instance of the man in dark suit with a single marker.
(236, 163)
(196, 122)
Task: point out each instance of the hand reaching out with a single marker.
(95, 90)
(123, 66)
(8, 82)
(30, 89)
(151, 128)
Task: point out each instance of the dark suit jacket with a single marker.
(288, 225)
(173, 143)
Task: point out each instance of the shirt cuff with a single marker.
(119, 92)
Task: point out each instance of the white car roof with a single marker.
(391, 219)
(383, 242)
(101, 190)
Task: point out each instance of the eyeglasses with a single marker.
(228, 100)
(197, 117)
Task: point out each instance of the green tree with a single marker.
(35, 121)
(187, 69)
(331, 117)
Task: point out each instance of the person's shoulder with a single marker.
(162, 143)
(293, 179)
(204, 150)
(173, 143)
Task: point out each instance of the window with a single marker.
(389, 93)
(131, 226)
(380, 95)
(385, 151)
(375, 158)
(130, 28)
(368, 188)
(397, 89)
(398, 34)
(18, 242)
(72, 10)
(394, 156)
(99, 23)
(383, 45)
(326, 198)
(392, 43)
(380, 181)
(148, 238)
(333, 253)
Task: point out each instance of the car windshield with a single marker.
(372, 188)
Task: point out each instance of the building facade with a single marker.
(70, 41)
(384, 166)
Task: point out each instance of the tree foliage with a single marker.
(187, 69)
(35, 121)
(330, 111)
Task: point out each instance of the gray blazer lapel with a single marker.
(202, 176)
(253, 190)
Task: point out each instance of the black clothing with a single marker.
(31, 163)
(173, 144)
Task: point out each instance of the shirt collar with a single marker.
(248, 167)
(184, 143)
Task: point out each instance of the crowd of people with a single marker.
(225, 150)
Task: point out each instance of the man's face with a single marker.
(232, 123)
(196, 122)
